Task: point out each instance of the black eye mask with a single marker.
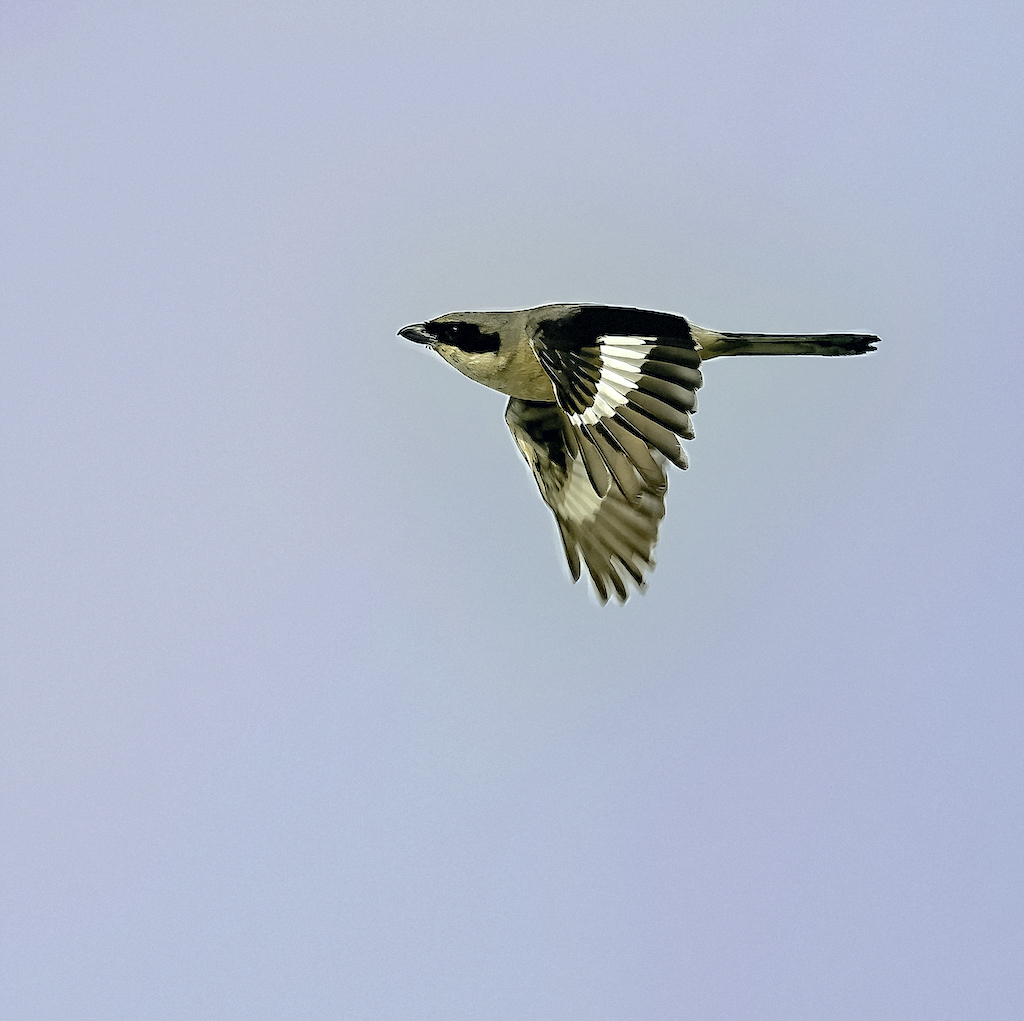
(466, 337)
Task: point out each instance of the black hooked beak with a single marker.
(417, 333)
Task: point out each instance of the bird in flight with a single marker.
(599, 398)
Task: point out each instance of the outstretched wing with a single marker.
(627, 380)
(614, 534)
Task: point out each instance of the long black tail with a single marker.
(714, 345)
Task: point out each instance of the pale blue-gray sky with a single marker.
(301, 715)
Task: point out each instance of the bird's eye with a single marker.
(449, 332)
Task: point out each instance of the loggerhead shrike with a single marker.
(600, 396)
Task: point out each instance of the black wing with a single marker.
(627, 380)
(615, 535)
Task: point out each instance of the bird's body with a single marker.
(600, 396)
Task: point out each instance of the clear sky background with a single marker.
(301, 716)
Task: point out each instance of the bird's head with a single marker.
(472, 333)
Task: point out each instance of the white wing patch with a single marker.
(577, 500)
(622, 360)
